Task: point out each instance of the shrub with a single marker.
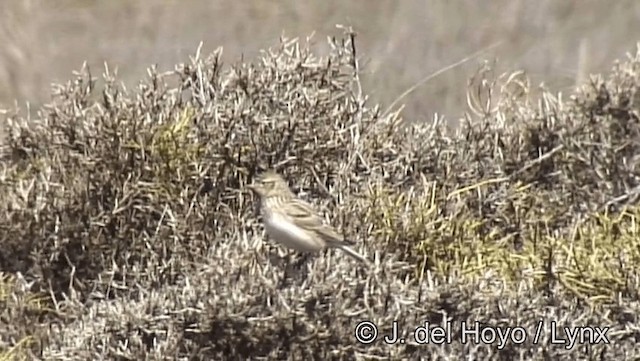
(126, 216)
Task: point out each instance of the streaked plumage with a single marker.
(293, 222)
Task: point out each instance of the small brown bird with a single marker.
(292, 222)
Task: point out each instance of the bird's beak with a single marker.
(252, 187)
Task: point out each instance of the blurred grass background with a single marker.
(557, 43)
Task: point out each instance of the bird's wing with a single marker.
(306, 217)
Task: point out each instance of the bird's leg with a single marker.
(302, 266)
(287, 268)
(302, 260)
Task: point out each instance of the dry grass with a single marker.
(128, 232)
(555, 42)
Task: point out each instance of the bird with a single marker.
(293, 222)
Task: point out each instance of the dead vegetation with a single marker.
(127, 233)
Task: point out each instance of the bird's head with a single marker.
(270, 184)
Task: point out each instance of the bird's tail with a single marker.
(353, 253)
